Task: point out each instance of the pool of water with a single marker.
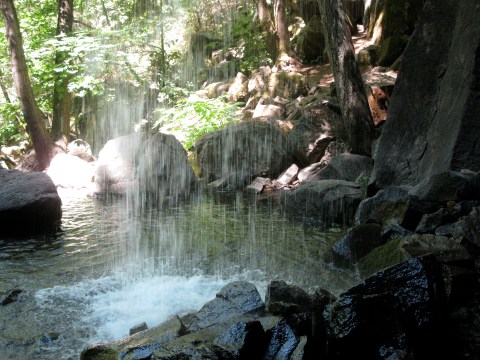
(115, 265)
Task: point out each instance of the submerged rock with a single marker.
(11, 297)
(29, 204)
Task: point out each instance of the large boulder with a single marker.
(29, 204)
(288, 85)
(433, 116)
(244, 340)
(325, 202)
(244, 150)
(155, 165)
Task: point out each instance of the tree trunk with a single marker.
(284, 45)
(31, 112)
(62, 99)
(266, 24)
(351, 92)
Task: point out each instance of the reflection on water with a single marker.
(114, 266)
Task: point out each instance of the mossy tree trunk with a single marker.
(34, 117)
(351, 92)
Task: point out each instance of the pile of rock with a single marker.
(404, 312)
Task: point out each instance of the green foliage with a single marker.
(11, 131)
(252, 42)
(194, 117)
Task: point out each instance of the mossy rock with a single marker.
(444, 249)
(289, 85)
(400, 17)
(391, 49)
(382, 257)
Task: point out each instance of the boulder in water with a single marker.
(247, 149)
(155, 165)
(325, 202)
(444, 249)
(29, 203)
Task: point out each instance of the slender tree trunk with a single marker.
(62, 99)
(31, 112)
(266, 24)
(350, 87)
(284, 45)
(162, 46)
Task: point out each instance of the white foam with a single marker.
(151, 300)
(108, 307)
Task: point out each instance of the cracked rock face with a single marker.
(433, 114)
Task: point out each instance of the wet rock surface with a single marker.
(29, 204)
(233, 300)
(284, 299)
